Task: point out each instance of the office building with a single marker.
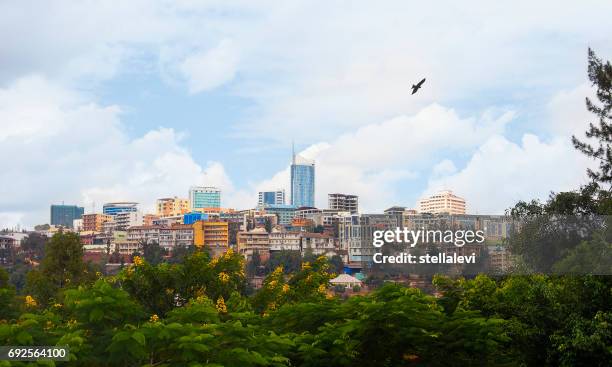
(442, 202)
(302, 182)
(119, 207)
(169, 207)
(271, 198)
(64, 215)
(343, 202)
(204, 197)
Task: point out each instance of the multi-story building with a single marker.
(77, 224)
(204, 197)
(343, 202)
(169, 207)
(442, 202)
(119, 207)
(271, 198)
(210, 234)
(168, 221)
(302, 182)
(8, 246)
(355, 233)
(122, 221)
(148, 219)
(64, 215)
(256, 240)
(285, 213)
(306, 212)
(318, 244)
(183, 235)
(95, 222)
(167, 237)
(285, 241)
(144, 234)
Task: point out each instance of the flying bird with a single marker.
(415, 88)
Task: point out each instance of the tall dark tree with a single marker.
(33, 246)
(61, 267)
(253, 267)
(153, 252)
(600, 74)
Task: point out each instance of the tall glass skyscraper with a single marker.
(63, 215)
(302, 182)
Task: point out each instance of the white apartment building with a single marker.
(285, 241)
(442, 202)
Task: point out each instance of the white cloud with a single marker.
(209, 69)
(567, 111)
(375, 160)
(329, 76)
(501, 173)
(321, 73)
(57, 147)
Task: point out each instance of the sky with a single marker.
(137, 100)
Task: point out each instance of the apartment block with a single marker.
(95, 222)
(210, 234)
(256, 240)
(169, 207)
(442, 202)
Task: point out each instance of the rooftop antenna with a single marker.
(293, 151)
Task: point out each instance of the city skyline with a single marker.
(141, 101)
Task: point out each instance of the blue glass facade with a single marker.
(115, 208)
(269, 197)
(63, 215)
(191, 218)
(302, 185)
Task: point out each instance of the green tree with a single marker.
(61, 267)
(33, 246)
(153, 253)
(7, 297)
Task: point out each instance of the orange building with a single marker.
(211, 234)
(148, 219)
(170, 207)
(95, 222)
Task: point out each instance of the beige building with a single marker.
(280, 241)
(170, 207)
(442, 202)
(256, 240)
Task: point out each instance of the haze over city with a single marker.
(135, 101)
